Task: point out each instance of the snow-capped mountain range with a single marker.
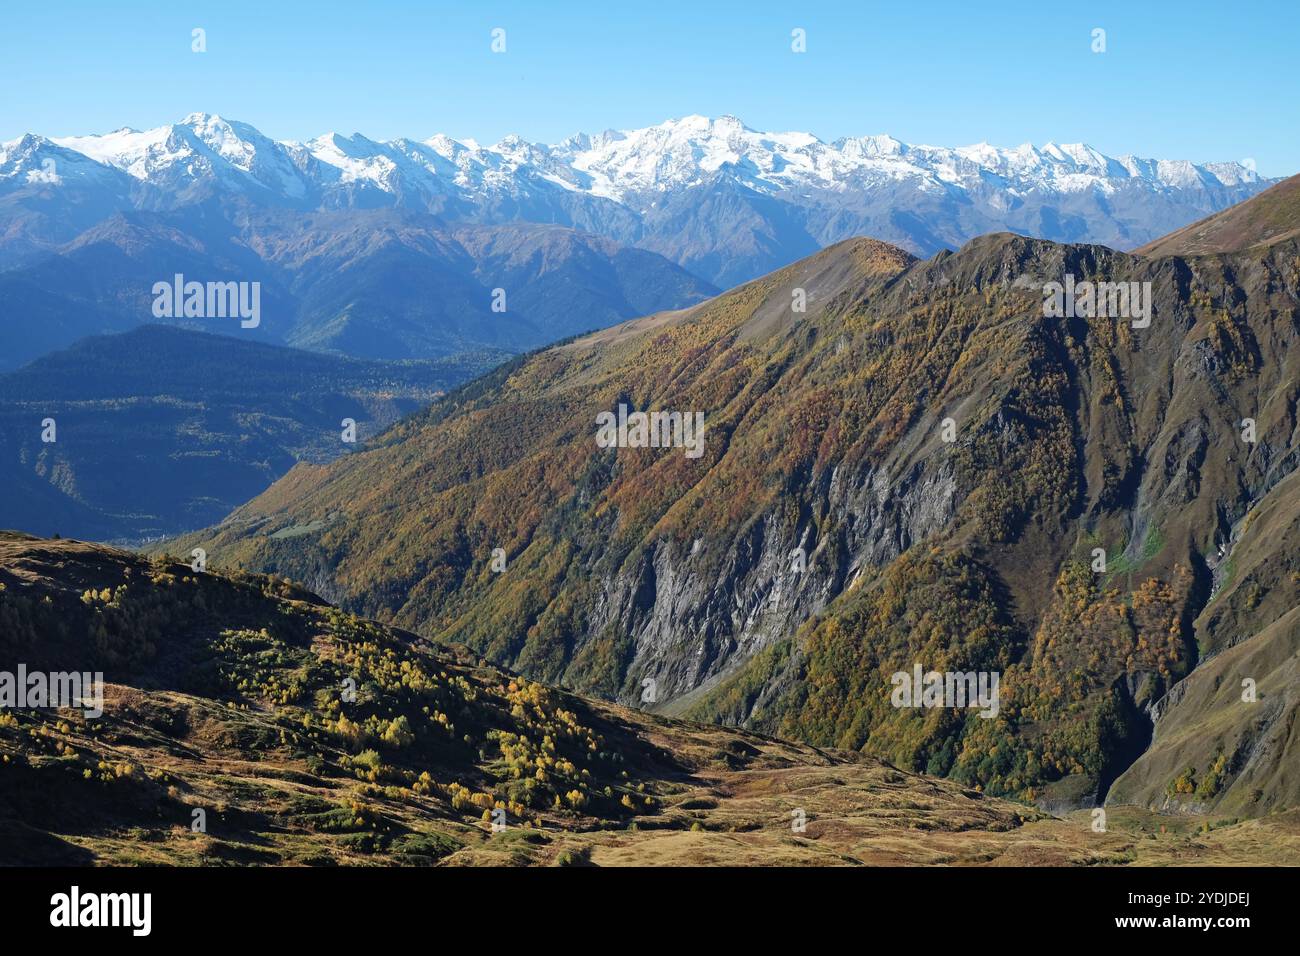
(626, 166)
(721, 199)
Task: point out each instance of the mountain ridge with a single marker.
(824, 436)
(611, 162)
(1270, 218)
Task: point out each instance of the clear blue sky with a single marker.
(1189, 80)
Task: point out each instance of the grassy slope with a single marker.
(223, 696)
(1271, 217)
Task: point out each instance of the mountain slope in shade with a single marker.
(636, 569)
(160, 430)
(223, 703)
(1271, 217)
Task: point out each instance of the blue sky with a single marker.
(1187, 80)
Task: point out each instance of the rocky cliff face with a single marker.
(693, 619)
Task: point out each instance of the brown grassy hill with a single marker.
(226, 695)
(223, 696)
(1271, 217)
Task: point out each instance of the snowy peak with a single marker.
(138, 154)
(201, 147)
(237, 143)
(692, 150)
(34, 160)
(350, 159)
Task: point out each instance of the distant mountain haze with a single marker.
(370, 283)
(160, 430)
